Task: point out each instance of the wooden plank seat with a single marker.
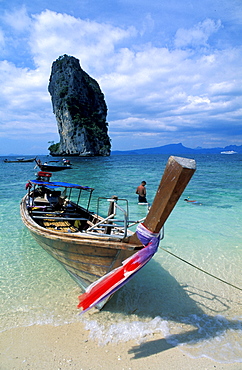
(60, 218)
(54, 213)
(36, 211)
(41, 201)
(63, 226)
(59, 223)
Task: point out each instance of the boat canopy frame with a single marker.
(66, 185)
(59, 184)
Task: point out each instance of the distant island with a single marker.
(178, 149)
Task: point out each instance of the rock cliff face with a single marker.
(80, 110)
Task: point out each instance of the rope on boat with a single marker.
(198, 268)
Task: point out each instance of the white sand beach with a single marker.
(69, 347)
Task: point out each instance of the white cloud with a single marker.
(2, 39)
(148, 24)
(145, 125)
(57, 34)
(226, 88)
(198, 35)
(17, 19)
(147, 88)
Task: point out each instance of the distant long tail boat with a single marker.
(100, 252)
(50, 167)
(19, 160)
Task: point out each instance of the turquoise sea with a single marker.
(167, 298)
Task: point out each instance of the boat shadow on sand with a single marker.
(154, 292)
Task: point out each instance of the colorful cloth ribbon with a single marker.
(115, 279)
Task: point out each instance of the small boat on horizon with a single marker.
(228, 152)
(99, 251)
(19, 160)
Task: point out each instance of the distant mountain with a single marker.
(177, 149)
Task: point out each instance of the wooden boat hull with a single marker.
(85, 257)
(89, 256)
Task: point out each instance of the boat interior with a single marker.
(52, 207)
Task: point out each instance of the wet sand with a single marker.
(69, 347)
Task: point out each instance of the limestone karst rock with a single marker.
(80, 110)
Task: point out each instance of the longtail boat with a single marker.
(53, 166)
(100, 252)
(19, 160)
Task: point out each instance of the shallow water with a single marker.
(168, 297)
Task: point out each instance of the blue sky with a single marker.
(170, 71)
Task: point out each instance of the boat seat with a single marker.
(62, 214)
(41, 200)
(36, 211)
(63, 226)
(60, 218)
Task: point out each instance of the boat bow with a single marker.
(177, 174)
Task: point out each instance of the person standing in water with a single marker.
(141, 191)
